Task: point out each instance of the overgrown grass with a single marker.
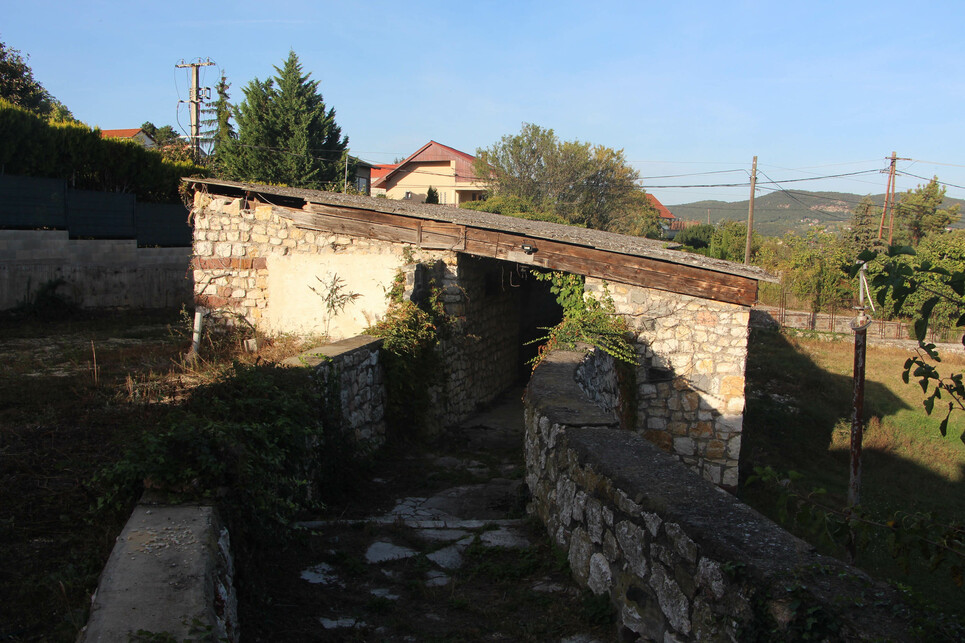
(75, 393)
(798, 418)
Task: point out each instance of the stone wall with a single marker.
(360, 382)
(680, 559)
(690, 379)
(98, 273)
(254, 264)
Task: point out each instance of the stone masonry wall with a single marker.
(679, 559)
(483, 350)
(254, 264)
(690, 379)
(360, 382)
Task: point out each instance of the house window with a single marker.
(408, 195)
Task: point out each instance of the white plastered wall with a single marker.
(294, 308)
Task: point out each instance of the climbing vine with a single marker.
(586, 320)
(410, 357)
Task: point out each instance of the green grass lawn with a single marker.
(798, 418)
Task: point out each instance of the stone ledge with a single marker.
(170, 571)
(679, 558)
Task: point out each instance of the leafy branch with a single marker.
(900, 279)
(586, 320)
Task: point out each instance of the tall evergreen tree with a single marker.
(863, 230)
(285, 133)
(920, 212)
(218, 131)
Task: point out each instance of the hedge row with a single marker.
(33, 146)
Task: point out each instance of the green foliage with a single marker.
(637, 217)
(19, 87)
(586, 320)
(814, 270)
(919, 212)
(862, 233)
(411, 360)
(941, 544)
(514, 206)
(931, 286)
(334, 292)
(286, 136)
(218, 130)
(583, 183)
(72, 151)
(696, 237)
(263, 440)
(432, 195)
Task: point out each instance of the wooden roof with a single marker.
(594, 253)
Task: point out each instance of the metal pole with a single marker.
(860, 327)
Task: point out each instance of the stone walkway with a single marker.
(438, 547)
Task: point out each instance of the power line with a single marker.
(906, 173)
(738, 185)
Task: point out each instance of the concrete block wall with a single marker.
(692, 356)
(679, 559)
(98, 273)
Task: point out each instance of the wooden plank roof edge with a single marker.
(586, 237)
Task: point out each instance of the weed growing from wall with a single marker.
(586, 320)
(410, 358)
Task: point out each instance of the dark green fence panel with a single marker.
(32, 203)
(162, 224)
(100, 215)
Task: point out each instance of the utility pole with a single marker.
(197, 94)
(890, 201)
(750, 215)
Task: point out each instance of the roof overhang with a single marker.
(593, 253)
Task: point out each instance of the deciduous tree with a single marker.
(584, 183)
(18, 86)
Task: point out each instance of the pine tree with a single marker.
(219, 132)
(863, 232)
(285, 134)
(432, 195)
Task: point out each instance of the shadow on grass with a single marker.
(794, 408)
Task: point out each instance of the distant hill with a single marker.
(780, 212)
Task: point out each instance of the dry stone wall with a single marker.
(690, 380)
(680, 559)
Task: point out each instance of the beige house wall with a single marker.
(438, 174)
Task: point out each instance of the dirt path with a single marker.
(436, 546)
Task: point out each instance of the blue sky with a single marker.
(684, 88)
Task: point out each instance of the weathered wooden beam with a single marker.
(518, 248)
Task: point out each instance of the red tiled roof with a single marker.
(661, 208)
(378, 171)
(120, 133)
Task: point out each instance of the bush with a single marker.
(263, 441)
(77, 153)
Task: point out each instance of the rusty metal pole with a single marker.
(860, 327)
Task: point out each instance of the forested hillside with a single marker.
(780, 212)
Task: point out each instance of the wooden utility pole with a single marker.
(750, 215)
(889, 202)
(196, 95)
